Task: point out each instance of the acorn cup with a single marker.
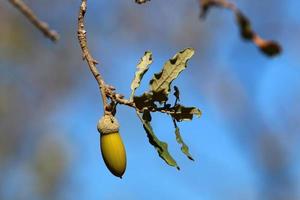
(112, 147)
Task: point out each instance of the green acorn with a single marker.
(112, 147)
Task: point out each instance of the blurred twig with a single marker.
(268, 47)
(141, 1)
(29, 14)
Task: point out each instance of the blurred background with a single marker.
(245, 146)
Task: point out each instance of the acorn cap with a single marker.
(108, 124)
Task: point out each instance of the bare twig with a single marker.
(29, 14)
(106, 90)
(87, 55)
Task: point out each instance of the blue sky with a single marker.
(225, 75)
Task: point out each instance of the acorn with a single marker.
(112, 148)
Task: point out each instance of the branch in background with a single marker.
(269, 48)
(29, 14)
(141, 1)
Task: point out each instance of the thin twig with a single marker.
(29, 14)
(87, 55)
(106, 90)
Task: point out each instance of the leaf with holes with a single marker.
(182, 113)
(160, 83)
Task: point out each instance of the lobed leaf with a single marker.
(142, 68)
(160, 83)
(160, 146)
(182, 113)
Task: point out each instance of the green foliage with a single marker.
(160, 146)
(144, 101)
(155, 100)
(184, 147)
(182, 113)
(160, 83)
(142, 67)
